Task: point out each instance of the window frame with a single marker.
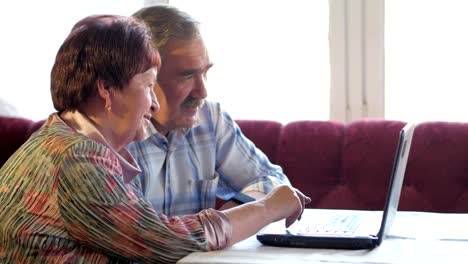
(357, 59)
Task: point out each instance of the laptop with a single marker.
(350, 229)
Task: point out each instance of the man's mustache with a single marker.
(192, 102)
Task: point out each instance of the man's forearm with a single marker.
(242, 198)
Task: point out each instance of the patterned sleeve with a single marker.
(241, 165)
(101, 211)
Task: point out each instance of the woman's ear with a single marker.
(105, 93)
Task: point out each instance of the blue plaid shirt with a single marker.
(185, 171)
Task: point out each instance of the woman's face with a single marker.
(133, 106)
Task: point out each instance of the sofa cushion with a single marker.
(310, 154)
(265, 135)
(14, 132)
(368, 154)
(437, 173)
(344, 166)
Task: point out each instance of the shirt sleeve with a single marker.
(103, 212)
(241, 165)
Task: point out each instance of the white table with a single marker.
(415, 237)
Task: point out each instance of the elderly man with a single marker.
(196, 152)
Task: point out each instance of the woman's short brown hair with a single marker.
(102, 47)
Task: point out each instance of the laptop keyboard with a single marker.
(339, 225)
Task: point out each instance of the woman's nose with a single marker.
(154, 102)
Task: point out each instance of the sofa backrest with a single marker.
(14, 132)
(349, 166)
(437, 173)
(344, 166)
(368, 153)
(310, 153)
(264, 134)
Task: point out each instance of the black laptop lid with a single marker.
(396, 180)
(275, 237)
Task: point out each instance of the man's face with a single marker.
(180, 87)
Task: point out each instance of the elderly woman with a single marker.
(70, 193)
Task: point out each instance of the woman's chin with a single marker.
(141, 133)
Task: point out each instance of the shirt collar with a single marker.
(83, 125)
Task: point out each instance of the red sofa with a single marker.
(345, 165)
(349, 166)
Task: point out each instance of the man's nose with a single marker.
(199, 91)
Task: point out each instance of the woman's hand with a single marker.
(285, 202)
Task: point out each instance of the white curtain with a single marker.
(426, 53)
(32, 32)
(271, 58)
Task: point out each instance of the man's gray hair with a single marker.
(168, 23)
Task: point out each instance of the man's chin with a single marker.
(192, 121)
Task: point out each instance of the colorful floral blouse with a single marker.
(69, 198)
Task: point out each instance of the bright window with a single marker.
(271, 58)
(32, 32)
(426, 55)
